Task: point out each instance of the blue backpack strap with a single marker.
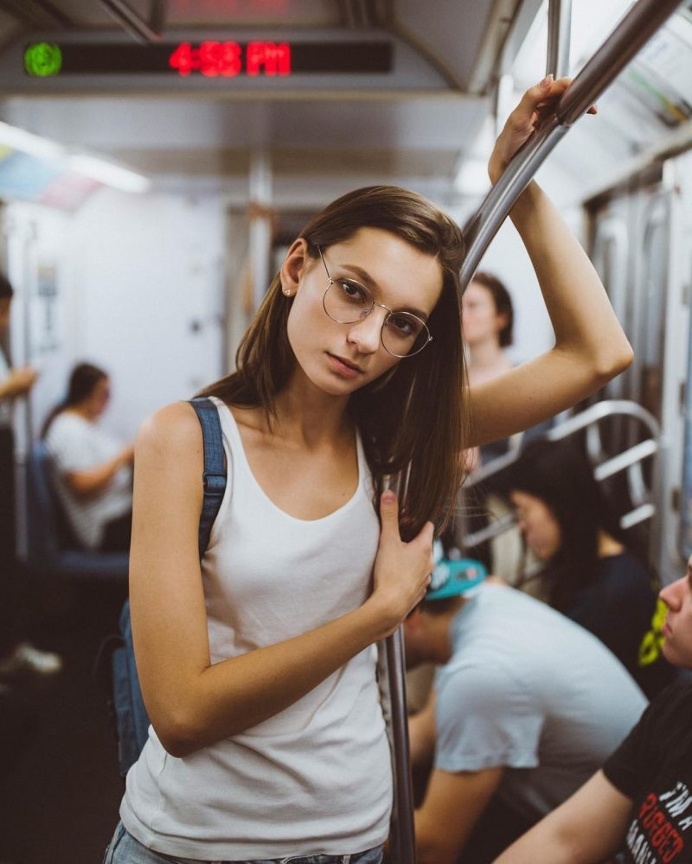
(214, 477)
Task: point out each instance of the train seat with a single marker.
(50, 550)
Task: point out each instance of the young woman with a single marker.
(258, 668)
(92, 469)
(487, 316)
(640, 801)
(589, 573)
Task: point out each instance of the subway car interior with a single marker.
(157, 159)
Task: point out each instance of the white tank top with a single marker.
(315, 778)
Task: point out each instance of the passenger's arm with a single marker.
(586, 829)
(17, 382)
(453, 805)
(590, 346)
(191, 702)
(88, 482)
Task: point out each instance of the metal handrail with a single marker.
(559, 37)
(628, 460)
(592, 414)
(403, 841)
(635, 29)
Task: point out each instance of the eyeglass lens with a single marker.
(347, 302)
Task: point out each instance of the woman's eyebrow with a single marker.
(367, 280)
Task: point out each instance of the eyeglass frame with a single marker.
(364, 315)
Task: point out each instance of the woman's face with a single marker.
(97, 400)
(480, 319)
(341, 358)
(537, 523)
(677, 628)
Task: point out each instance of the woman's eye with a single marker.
(354, 292)
(405, 325)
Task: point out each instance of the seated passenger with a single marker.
(642, 797)
(589, 575)
(92, 469)
(526, 707)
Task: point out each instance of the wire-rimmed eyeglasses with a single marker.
(346, 301)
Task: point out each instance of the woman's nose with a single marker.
(366, 333)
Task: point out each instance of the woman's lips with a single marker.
(344, 367)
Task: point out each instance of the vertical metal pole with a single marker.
(403, 841)
(260, 182)
(559, 36)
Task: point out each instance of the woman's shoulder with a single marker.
(67, 425)
(625, 562)
(627, 572)
(172, 431)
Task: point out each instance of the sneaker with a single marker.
(27, 660)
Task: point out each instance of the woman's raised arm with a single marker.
(590, 345)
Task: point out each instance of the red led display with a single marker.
(214, 59)
(228, 59)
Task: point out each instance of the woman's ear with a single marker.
(293, 266)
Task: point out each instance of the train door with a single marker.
(637, 236)
(631, 251)
(679, 535)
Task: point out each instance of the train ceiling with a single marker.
(282, 81)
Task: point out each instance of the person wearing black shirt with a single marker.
(640, 802)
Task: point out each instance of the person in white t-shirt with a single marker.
(92, 470)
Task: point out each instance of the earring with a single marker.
(287, 292)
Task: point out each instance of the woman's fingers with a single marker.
(534, 104)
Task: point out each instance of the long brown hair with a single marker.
(83, 380)
(412, 421)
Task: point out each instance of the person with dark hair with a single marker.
(488, 325)
(18, 656)
(589, 573)
(526, 706)
(487, 316)
(92, 470)
(639, 805)
(258, 663)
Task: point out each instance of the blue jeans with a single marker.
(124, 849)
